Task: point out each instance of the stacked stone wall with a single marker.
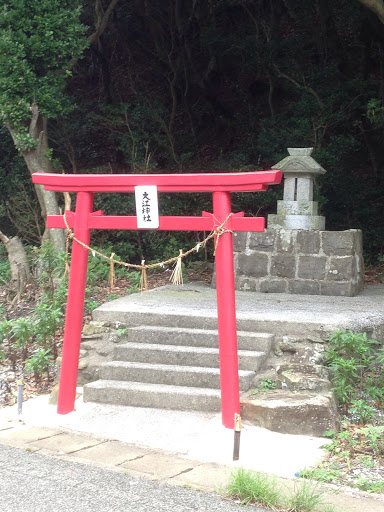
(299, 262)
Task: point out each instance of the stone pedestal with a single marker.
(299, 262)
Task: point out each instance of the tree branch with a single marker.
(299, 85)
(102, 19)
(4, 238)
(376, 6)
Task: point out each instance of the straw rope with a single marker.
(216, 232)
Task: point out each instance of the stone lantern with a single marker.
(297, 210)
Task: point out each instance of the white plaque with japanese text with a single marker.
(147, 208)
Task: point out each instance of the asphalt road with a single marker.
(30, 482)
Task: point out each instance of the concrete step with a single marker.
(184, 356)
(196, 337)
(159, 396)
(191, 376)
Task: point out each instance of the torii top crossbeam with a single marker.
(84, 219)
(211, 182)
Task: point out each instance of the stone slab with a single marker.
(6, 425)
(112, 452)
(291, 413)
(207, 477)
(22, 436)
(160, 465)
(64, 443)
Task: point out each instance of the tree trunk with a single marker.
(376, 6)
(38, 161)
(17, 257)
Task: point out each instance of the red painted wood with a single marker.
(231, 182)
(75, 306)
(226, 315)
(166, 223)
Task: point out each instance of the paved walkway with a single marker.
(182, 448)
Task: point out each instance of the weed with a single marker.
(112, 296)
(267, 384)
(367, 485)
(306, 497)
(320, 474)
(366, 461)
(252, 487)
(362, 411)
(39, 362)
(90, 305)
(26, 336)
(357, 364)
(373, 437)
(5, 269)
(121, 332)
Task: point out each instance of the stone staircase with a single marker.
(160, 349)
(173, 368)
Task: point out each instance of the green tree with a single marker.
(39, 41)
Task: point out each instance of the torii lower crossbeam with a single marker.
(84, 219)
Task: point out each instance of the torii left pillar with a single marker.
(75, 305)
(84, 219)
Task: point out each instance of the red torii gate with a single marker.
(84, 219)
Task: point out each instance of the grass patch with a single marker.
(252, 487)
(306, 497)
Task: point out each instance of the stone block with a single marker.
(26, 435)
(240, 241)
(304, 222)
(253, 265)
(285, 241)
(339, 243)
(245, 284)
(113, 452)
(292, 413)
(358, 240)
(304, 189)
(274, 286)
(304, 287)
(64, 443)
(297, 208)
(311, 267)
(282, 221)
(342, 268)
(160, 465)
(210, 477)
(289, 188)
(283, 265)
(338, 289)
(275, 221)
(308, 242)
(264, 242)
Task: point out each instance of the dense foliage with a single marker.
(37, 42)
(209, 85)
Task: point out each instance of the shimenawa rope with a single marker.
(175, 276)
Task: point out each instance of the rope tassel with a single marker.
(143, 278)
(177, 274)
